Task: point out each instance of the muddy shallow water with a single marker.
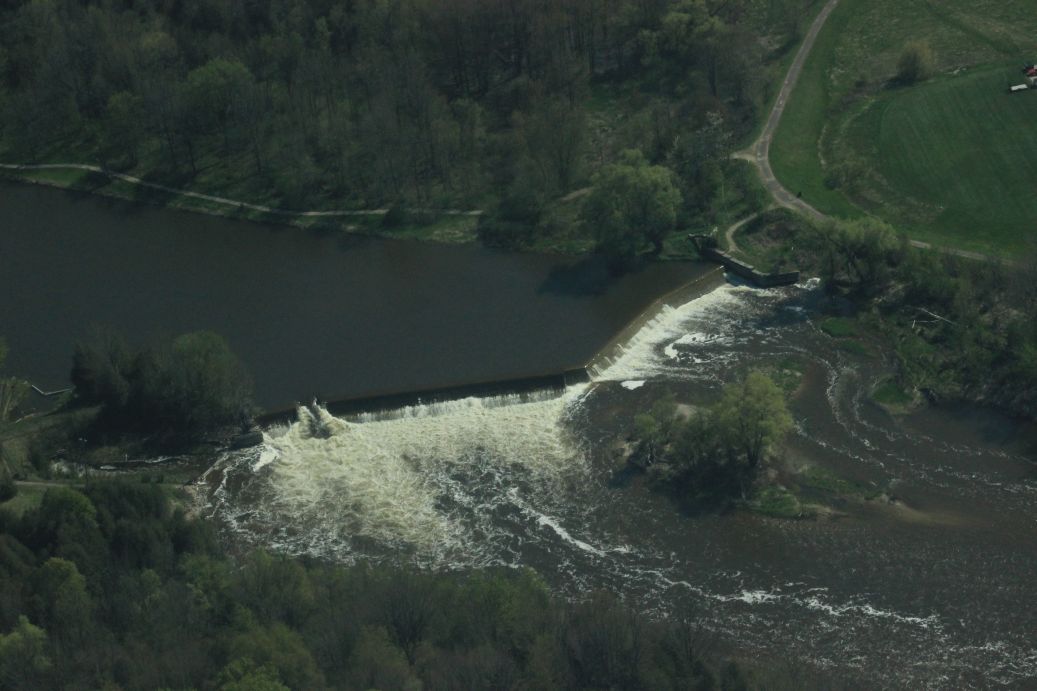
(933, 590)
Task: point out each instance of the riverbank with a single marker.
(897, 537)
(451, 226)
(954, 329)
(856, 141)
(444, 226)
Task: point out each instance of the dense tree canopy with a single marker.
(115, 587)
(752, 417)
(182, 392)
(713, 455)
(455, 103)
(632, 204)
(860, 254)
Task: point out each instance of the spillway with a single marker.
(932, 592)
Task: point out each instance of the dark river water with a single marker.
(937, 589)
(328, 315)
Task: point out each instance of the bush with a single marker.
(777, 502)
(915, 63)
(396, 216)
(183, 392)
(838, 327)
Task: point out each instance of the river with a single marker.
(933, 590)
(328, 315)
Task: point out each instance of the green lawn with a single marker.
(951, 160)
(957, 159)
(778, 502)
(839, 327)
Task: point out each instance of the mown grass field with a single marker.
(958, 159)
(950, 160)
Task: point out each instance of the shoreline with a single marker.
(442, 226)
(447, 228)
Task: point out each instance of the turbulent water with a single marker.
(934, 590)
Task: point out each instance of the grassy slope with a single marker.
(960, 158)
(794, 150)
(853, 60)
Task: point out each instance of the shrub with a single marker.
(915, 63)
(183, 392)
(396, 216)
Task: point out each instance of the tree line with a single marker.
(115, 587)
(170, 394)
(959, 328)
(711, 457)
(432, 102)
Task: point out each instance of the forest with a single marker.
(957, 329)
(506, 105)
(115, 586)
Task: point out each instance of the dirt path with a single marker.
(48, 484)
(224, 200)
(758, 153)
(729, 234)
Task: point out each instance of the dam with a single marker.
(334, 316)
(931, 590)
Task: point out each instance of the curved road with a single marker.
(759, 152)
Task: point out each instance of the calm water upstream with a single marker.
(936, 590)
(336, 316)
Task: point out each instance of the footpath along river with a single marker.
(934, 590)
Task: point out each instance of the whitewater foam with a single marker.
(708, 318)
(397, 479)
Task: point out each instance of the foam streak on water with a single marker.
(410, 479)
(517, 481)
(699, 322)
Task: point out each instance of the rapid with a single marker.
(935, 589)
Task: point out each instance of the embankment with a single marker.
(707, 249)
